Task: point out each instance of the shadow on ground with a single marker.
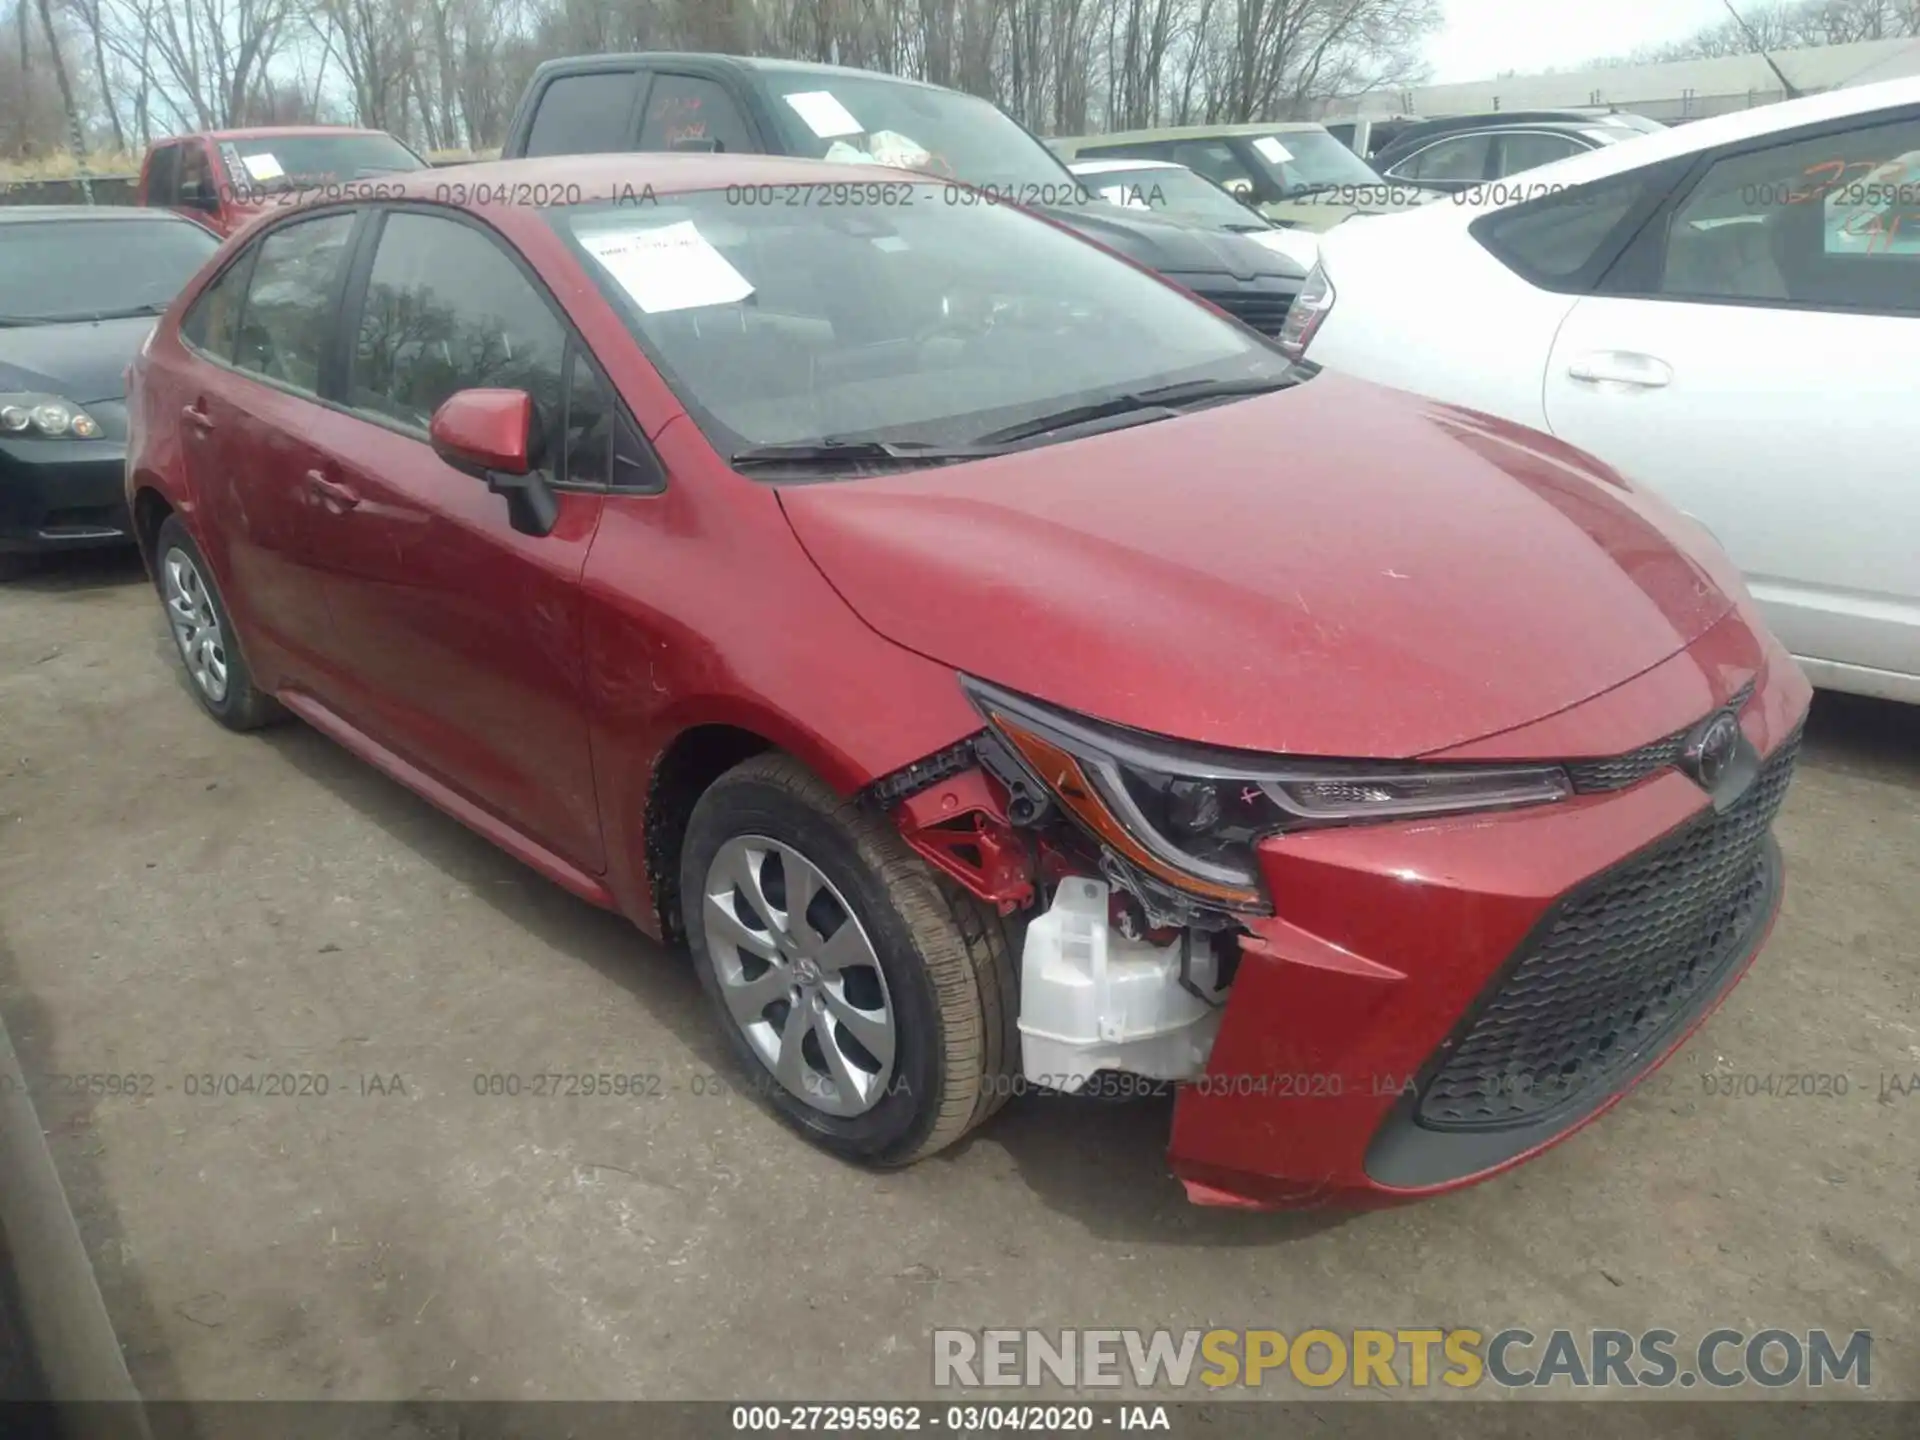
(1101, 1161)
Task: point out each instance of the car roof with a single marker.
(1651, 147)
(1108, 166)
(1419, 135)
(1191, 132)
(96, 214)
(617, 177)
(274, 132)
(638, 59)
(1508, 117)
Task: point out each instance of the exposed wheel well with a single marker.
(696, 758)
(150, 512)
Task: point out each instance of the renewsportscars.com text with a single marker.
(1457, 1358)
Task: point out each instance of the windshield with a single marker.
(898, 317)
(1300, 160)
(913, 127)
(85, 269)
(277, 162)
(1174, 190)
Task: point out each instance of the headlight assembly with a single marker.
(1190, 816)
(45, 417)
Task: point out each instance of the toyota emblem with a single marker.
(1711, 749)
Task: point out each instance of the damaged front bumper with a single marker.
(1439, 1002)
(1430, 1001)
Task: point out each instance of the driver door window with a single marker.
(1459, 158)
(1832, 222)
(197, 190)
(163, 177)
(447, 310)
(291, 301)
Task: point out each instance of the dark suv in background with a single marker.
(1462, 152)
(727, 103)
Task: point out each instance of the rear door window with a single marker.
(585, 114)
(1522, 150)
(287, 323)
(1565, 240)
(685, 112)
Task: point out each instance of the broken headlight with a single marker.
(1191, 816)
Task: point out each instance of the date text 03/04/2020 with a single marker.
(1037, 1418)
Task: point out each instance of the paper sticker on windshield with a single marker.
(824, 114)
(667, 267)
(262, 167)
(1273, 149)
(889, 147)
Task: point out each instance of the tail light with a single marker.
(1309, 308)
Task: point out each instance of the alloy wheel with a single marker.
(196, 628)
(799, 975)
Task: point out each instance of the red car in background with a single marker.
(223, 178)
(935, 620)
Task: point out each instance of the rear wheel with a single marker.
(871, 1001)
(203, 633)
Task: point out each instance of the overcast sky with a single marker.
(1484, 37)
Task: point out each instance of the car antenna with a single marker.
(1793, 92)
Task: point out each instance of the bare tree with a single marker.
(76, 138)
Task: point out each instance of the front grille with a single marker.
(1617, 772)
(1264, 310)
(1614, 968)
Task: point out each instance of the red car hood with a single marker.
(1336, 569)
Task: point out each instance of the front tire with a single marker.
(204, 636)
(872, 1002)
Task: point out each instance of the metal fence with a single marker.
(107, 190)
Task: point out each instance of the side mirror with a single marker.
(490, 435)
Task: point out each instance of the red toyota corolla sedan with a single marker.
(998, 668)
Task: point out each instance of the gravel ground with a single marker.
(176, 901)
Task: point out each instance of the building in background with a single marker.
(1673, 92)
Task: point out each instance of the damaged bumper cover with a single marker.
(1438, 1002)
(1426, 1002)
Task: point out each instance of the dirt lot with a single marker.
(179, 902)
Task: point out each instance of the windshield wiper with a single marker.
(85, 316)
(152, 307)
(832, 451)
(1161, 397)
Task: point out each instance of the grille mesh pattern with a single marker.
(1265, 311)
(1617, 772)
(1613, 969)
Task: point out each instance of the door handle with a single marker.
(336, 495)
(1622, 367)
(196, 417)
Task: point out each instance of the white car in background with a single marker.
(1727, 312)
(1172, 188)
